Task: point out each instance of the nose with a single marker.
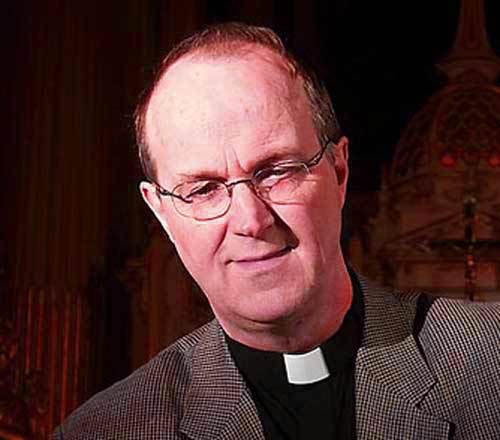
(249, 214)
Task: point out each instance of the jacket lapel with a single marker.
(391, 376)
(218, 403)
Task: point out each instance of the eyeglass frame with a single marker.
(311, 163)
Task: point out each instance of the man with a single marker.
(246, 171)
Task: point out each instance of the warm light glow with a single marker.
(448, 160)
(494, 160)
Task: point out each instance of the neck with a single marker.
(303, 332)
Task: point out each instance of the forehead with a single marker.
(203, 104)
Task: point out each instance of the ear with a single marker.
(341, 155)
(153, 200)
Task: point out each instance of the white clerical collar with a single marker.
(306, 368)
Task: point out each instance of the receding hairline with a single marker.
(243, 51)
(235, 41)
(232, 52)
(237, 49)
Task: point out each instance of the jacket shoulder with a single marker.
(150, 400)
(460, 341)
(468, 326)
(389, 313)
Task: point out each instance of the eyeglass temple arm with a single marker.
(164, 192)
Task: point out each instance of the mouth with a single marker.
(264, 257)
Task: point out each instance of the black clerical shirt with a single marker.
(322, 410)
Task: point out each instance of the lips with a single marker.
(263, 257)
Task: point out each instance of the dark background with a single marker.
(377, 58)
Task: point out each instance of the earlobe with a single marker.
(154, 202)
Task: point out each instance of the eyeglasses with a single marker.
(209, 199)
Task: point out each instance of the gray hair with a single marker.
(229, 40)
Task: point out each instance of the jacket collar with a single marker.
(218, 403)
(392, 377)
(389, 352)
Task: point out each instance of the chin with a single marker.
(264, 311)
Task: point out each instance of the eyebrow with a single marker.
(258, 164)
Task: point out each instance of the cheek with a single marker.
(197, 243)
(317, 222)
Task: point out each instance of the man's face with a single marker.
(261, 264)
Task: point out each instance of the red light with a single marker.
(448, 160)
(494, 160)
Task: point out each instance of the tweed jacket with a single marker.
(443, 384)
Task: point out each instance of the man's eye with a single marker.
(276, 173)
(204, 189)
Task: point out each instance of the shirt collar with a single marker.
(276, 370)
(306, 368)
